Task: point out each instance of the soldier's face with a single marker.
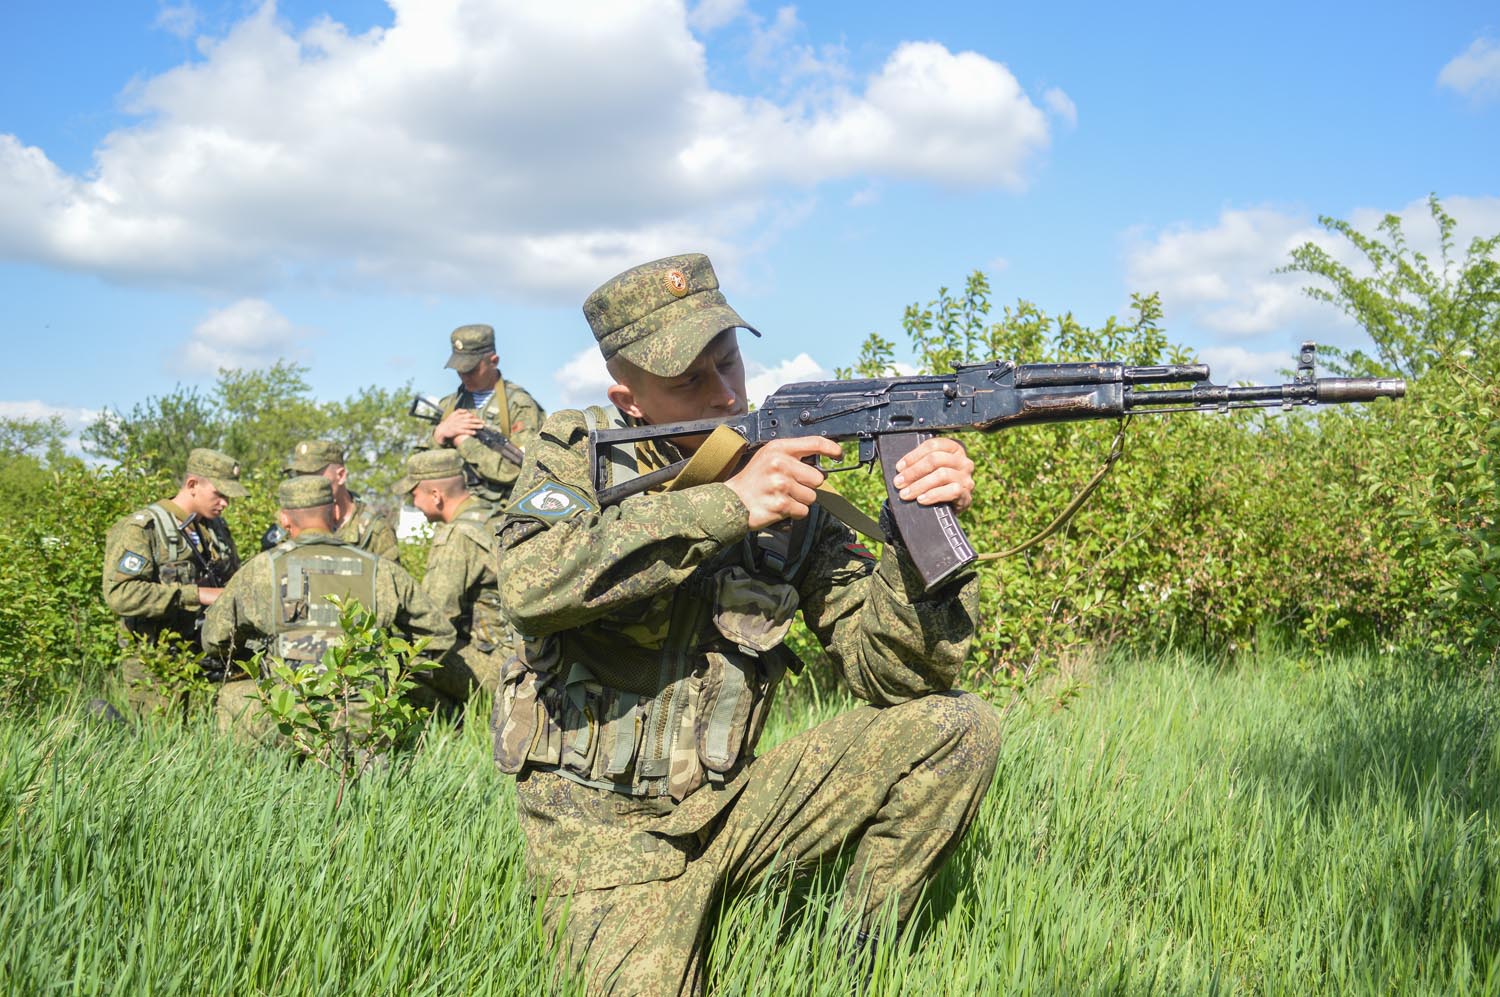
(713, 387)
(206, 500)
(427, 501)
(483, 376)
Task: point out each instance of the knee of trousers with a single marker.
(957, 724)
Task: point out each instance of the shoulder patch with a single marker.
(859, 550)
(551, 502)
(131, 563)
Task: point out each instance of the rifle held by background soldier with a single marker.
(428, 410)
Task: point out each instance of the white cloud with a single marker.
(1476, 72)
(1230, 364)
(583, 379)
(711, 15)
(1220, 278)
(761, 380)
(249, 333)
(1061, 105)
(75, 418)
(478, 145)
(180, 19)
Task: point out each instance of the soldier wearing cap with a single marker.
(278, 600)
(485, 398)
(165, 563)
(358, 523)
(653, 634)
(460, 577)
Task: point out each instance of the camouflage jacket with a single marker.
(460, 578)
(150, 575)
(247, 612)
(653, 634)
(369, 530)
(520, 423)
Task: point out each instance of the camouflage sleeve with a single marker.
(416, 616)
(891, 639)
(525, 420)
(130, 570)
(383, 540)
(595, 561)
(230, 622)
(448, 576)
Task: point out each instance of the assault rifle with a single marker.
(213, 575)
(428, 410)
(889, 416)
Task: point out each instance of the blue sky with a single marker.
(186, 186)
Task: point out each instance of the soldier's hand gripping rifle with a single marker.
(888, 417)
(427, 410)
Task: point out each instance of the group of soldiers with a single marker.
(634, 648)
(172, 568)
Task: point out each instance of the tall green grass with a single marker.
(1175, 829)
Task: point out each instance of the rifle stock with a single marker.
(888, 417)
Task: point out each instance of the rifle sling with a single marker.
(1116, 451)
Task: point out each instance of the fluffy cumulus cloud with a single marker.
(1220, 279)
(483, 145)
(247, 334)
(1475, 72)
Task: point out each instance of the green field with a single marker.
(1177, 828)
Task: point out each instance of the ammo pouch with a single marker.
(699, 723)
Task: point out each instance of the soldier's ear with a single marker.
(623, 398)
(284, 519)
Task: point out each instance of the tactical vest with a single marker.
(303, 576)
(175, 564)
(657, 702)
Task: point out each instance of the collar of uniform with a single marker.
(309, 534)
(460, 507)
(177, 511)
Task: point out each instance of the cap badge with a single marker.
(234, 472)
(302, 448)
(676, 282)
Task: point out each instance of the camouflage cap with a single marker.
(471, 344)
(218, 469)
(305, 491)
(311, 456)
(660, 315)
(429, 465)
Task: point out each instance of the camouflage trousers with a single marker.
(899, 785)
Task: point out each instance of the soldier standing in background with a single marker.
(278, 600)
(460, 578)
(485, 398)
(653, 637)
(164, 564)
(358, 523)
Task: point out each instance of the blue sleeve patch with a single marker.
(551, 502)
(131, 564)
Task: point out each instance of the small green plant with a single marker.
(353, 708)
(174, 672)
